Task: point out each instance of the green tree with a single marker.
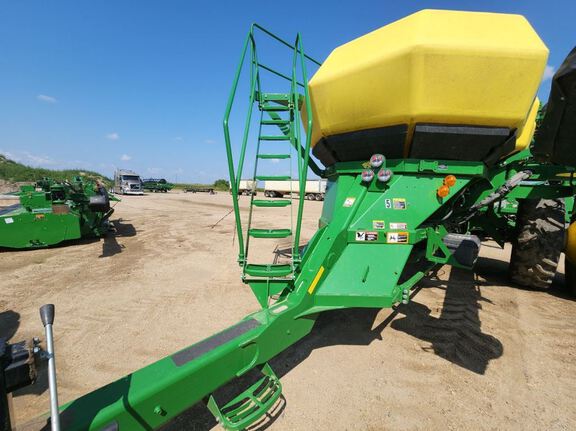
(221, 184)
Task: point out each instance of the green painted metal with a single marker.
(251, 404)
(274, 156)
(157, 185)
(52, 212)
(271, 203)
(375, 241)
(270, 233)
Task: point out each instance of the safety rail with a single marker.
(304, 160)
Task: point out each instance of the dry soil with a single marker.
(470, 351)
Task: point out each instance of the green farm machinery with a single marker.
(428, 148)
(51, 212)
(159, 185)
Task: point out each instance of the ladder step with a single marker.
(248, 407)
(275, 108)
(273, 156)
(274, 138)
(274, 96)
(279, 122)
(271, 203)
(273, 177)
(269, 233)
(271, 270)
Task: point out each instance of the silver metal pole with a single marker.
(47, 316)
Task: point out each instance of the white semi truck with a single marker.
(127, 183)
(315, 189)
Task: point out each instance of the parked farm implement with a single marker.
(424, 142)
(159, 185)
(51, 212)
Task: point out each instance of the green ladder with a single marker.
(279, 112)
(280, 116)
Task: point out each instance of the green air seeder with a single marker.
(425, 128)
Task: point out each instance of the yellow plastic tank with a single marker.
(432, 67)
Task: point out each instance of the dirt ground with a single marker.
(469, 352)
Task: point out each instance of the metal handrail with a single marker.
(255, 90)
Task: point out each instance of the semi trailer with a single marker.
(313, 189)
(247, 187)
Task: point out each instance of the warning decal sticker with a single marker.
(397, 237)
(399, 203)
(398, 226)
(378, 224)
(349, 202)
(366, 236)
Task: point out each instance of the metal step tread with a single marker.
(268, 270)
(274, 138)
(277, 108)
(278, 122)
(271, 202)
(274, 156)
(250, 405)
(274, 96)
(270, 233)
(272, 177)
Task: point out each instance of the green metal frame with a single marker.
(376, 240)
(51, 212)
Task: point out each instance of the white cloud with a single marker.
(46, 99)
(548, 72)
(209, 141)
(275, 161)
(113, 136)
(154, 171)
(39, 160)
(125, 157)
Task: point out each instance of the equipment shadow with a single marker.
(119, 229)
(495, 272)
(455, 335)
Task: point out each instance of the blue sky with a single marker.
(143, 85)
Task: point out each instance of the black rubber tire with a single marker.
(540, 239)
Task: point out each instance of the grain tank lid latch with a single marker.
(555, 139)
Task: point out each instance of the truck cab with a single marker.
(127, 183)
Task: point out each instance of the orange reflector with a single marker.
(443, 191)
(450, 180)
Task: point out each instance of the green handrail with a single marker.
(303, 174)
(255, 91)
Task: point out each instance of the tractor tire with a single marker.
(540, 239)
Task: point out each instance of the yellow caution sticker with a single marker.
(316, 280)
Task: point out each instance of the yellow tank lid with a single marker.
(433, 67)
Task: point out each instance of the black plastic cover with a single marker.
(555, 139)
(360, 145)
(461, 142)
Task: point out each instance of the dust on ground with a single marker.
(469, 352)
